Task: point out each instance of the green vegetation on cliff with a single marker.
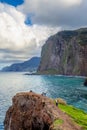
(57, 123)
(82, 36)
(49, 71)
(79, 116)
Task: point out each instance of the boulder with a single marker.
(85, 82)
(31, 111)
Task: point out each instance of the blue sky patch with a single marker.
(12, 2)
(28, 21)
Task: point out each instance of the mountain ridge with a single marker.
(29, 65)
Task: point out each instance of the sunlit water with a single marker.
(54, 86)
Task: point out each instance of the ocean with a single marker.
(55, 86)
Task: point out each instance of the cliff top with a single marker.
(80, 34)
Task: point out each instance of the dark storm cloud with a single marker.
(64, 13)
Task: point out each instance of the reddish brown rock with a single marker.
(31, 111)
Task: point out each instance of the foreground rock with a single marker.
(85, 82)
(31, 111)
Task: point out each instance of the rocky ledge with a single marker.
(31, 111)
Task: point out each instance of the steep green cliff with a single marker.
(65, 53)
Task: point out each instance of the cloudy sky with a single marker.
(25, 25)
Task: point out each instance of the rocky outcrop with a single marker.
(85, 82)
(65, 53)
(31, 111)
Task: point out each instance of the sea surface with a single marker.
(54, 86)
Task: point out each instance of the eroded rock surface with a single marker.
(31, 111)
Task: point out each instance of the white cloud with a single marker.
(17, 40)
(70, 3)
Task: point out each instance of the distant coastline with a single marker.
(30, 65)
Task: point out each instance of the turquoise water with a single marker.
(54, 86)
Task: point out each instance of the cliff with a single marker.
(65, 53)
(29, 65)
(31, 111)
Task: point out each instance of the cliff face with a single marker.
(31, 111)
(65, 53)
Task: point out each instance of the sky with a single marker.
(25, 25)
